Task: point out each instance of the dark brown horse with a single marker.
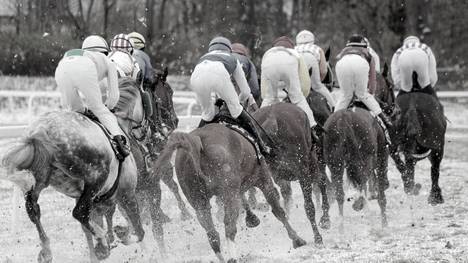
(355, 141)
(69, 152)
(296, 159)
(420, 133)
(217, 161)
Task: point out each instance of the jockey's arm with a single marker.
(322, 65)
(376, 59)
(395, 72)
(304, 77)
(239, 77)
(253, 81)
(112, 85)
(372, 77)
(432, 69)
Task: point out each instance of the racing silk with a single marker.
(303, 71)
(310, 49)
(364, 53)
(234, 69)
(144, 63)
(431, 63)
(250, 74)
(229, 61)
(376, 58)
(106, 70)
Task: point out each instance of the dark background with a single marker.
(35, 33)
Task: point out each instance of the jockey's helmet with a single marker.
(220, 43)
(95, 43)
(138, 40)
(356, 40)
(123, 61)
(122, 42)
(283, 41)
(305, 37)
(411, 39)
(240, 49)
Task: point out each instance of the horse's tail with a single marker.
(413, 127)
(33, 153)
(183, 141)
(354, 153)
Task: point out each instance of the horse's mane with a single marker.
(128, 89)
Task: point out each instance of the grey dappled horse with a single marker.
(355, 141)
(217, 161)
(420, 133)
(69, 152)
(295, 159)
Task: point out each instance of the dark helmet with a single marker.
(240, 49)
(283, 41)
(220, 43)
(357, 41)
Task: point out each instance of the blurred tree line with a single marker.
(35, 33)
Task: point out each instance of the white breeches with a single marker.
(413, 60)
(211, 76)
(352, 72)
(280, 71)
(77, 82)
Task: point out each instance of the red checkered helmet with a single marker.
(122, 42)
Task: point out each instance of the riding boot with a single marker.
(123, 148)
(388, 126)
(202, 123)
(247, 122)
(313, 134)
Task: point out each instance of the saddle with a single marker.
(417, 88)
(90, 115)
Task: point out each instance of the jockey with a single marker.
(213, 73)
(284, 69)
(78, 75)
(314, 58)
(355, 71)
(125, 64)
(142, 57)
(414, 57)
(374, 55)
(120, 45)
(242, 54)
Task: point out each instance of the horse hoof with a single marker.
(45, 256)
(358, 205)
(325, 222)
(231, 260)
(299, 242)
(122, 233)
(110, 237)
(102, 252)
(416, 189)
(384, 222)
(435, 197)
(252, 221)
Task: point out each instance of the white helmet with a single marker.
(124, 63)
(411, 39)
(95, 43)
(305, 37)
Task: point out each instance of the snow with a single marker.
(417, 231)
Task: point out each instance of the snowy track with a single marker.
(417, 232)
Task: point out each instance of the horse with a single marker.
(355, 140)
(296, 159)
(419, 133)
(216, 161)
(71, 153)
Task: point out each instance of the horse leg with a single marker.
(231, 213)
(89, 240)
(325, 219)
(251, 220)
(82, 212)
(129, 204)
(306, 186)
(272, 197)
(157, 217)
(337, 180)
(206, 221)
(382, 184)
(286, 193)
(435, 197)
(252, 199)
(109, 214)
(408, 177)
(34, 212)
(172, 185)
